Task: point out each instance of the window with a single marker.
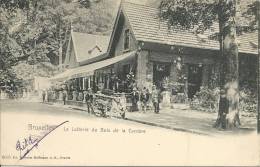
(127, 39)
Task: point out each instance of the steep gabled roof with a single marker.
(148, 27)
(88, 46)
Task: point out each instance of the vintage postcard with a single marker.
(129, 82)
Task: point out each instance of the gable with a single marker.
(118, 46)
(116, 43)
(70, 60)
(83, 48)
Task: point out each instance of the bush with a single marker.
(205, 100)
(248, 100)
(179, 98)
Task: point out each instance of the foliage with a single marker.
(247, 101)
(200, 14)
(179, 98)
(130, 81)
(247, 16)
(26, 71)
(166, 82)
(32, 31)
(176, 87)
(7, 75)
(206, 100)
(12, 5)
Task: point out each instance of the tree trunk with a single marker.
(258, 70)
(228, 114)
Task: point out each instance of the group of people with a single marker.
(140, 100)
(89, 98)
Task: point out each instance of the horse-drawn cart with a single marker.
(109, 106)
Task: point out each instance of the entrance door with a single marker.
(194, 79)
(160, 71)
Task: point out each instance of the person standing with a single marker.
(155, 99)
(90, 99)
(48, 95)
(123, 106)
(43, 96)
(135, 99)
(144, 98)
(64, 96)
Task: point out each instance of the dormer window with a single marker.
(127, 40)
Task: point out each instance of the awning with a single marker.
(61, 76)
(89, 69)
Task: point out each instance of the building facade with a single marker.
(176, 57)
(143, 47)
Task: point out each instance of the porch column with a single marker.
(173, 73)
(186, 84)
(83, 83)
(91, 82)
(149, 76)
(108, 81)
(88, 83)
(141, 71)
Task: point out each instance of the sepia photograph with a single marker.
(129, 82)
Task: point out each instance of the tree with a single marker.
(203, 13)
(258, 69)
(228, 114)
(32, 31)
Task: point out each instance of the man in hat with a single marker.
(64, 96)
(155, 99)
(135, 99)
(144, 98)
(89, 99)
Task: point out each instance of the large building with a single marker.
(161, 50)
(141, 43)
